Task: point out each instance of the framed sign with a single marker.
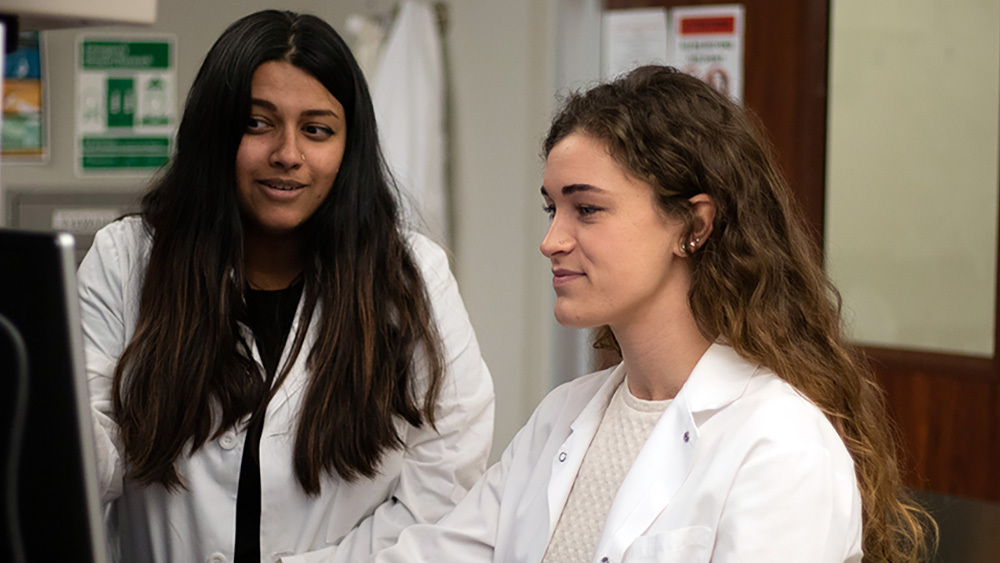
(125, 103)
(24, 128)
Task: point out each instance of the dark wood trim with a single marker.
(933, 363)
(813, 105)
(996, 280)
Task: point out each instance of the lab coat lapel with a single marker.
(659, 470)
(665, 461)
(569, 456)
(297, 377)
(552, 475)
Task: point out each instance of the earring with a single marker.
(691, 246)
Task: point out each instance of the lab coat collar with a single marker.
(720, 377)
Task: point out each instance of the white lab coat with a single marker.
(408, 94)
(740, 468)
(418, 483)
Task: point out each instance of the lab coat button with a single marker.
(217, 558)
(687, 436)
(227, 441)
(562, 456)
(605, 560)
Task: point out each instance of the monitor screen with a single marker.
(46, 434)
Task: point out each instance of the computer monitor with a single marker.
(46, 433)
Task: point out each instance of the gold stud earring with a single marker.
(691, 246)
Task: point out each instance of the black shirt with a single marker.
(270, 315)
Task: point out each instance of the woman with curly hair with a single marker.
(739, 425)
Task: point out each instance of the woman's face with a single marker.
(291, 150)
(615, 256)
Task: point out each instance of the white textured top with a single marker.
(627, 423)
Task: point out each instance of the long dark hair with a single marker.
(757, 281)
(187, 374)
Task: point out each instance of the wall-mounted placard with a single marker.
(24, 131)
(125, 103)
(708, 43)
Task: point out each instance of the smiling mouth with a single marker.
(282, 185)
(560, 273)
(564, 277)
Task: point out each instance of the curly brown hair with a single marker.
(757, 282)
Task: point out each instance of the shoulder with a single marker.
(747, 406)
(777, 406)
(422, 247)
(430, 258)
(728, 391)
(774, 416)
(122, 245)
(126, 234)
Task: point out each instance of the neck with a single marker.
(661, 349)
(271, 262)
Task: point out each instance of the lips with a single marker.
(281, 184)
(562, 277)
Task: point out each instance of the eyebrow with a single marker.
(574, 188)
(309, 112)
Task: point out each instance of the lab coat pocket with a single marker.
(683, 545)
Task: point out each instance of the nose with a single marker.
(557, 240)
(286, 152)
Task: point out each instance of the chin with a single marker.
(278, 226)
(573, 320)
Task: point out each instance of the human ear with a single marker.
(703, 218)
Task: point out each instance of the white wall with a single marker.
(502, 68)
(502, 71)
(911, 229)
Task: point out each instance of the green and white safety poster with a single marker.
(126, 110)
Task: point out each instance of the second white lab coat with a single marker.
(408, 92)
(740, 468)
(346, 521)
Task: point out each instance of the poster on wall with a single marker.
(23, 136)
(125, 103)
(632, 38)
(707, 42)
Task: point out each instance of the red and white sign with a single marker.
(708, 43)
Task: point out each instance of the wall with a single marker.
(912, 171)
(501, 56)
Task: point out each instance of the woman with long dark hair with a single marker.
(740, 425)
(277, 366)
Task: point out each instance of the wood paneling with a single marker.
(946, 430)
